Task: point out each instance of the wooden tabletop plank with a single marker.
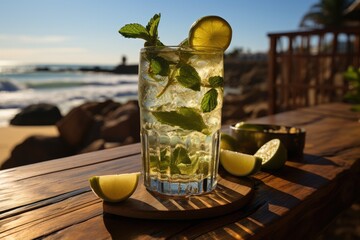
(63, 164)
(52, 217)
(60, 184)
(53, 200)
(336, 110)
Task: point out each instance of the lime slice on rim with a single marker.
(239, 164)
(273, 154)
(210, 31)
(114, 188)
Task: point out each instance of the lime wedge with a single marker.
(114, 188)
(227, 142)
(210, 31)
(273, 154)
(239, 164)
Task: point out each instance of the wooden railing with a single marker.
(306, 68)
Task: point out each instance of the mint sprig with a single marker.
(148, 33)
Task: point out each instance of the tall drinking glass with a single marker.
(180, 99)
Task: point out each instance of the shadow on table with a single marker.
(133, 228)
(301, 176)
(314, 159)
(302, 183)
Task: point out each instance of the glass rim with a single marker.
(183, 48)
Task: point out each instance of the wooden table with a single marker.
(53, 200)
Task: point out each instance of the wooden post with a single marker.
(272, 73)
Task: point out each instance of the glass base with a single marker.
(181, 188)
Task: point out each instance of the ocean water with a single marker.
(21, 85)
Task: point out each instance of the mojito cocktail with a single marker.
(180, 98)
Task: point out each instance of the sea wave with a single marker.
(40, 81)
(69, 84)
(12, 86)
(60, 96)
(63, 89)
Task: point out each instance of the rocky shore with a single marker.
(99, 125)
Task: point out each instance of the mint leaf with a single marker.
(186, 118)
(209, 101)
(152, 29)
(135, 30)
(152, 26)
(180, 158)
(216, 81)
(188, 77)
(159, 66)
(180, 155)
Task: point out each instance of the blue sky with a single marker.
(86, 32)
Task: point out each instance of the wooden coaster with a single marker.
(231, 194)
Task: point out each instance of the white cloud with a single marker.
(56, 55)
(33, 39)
(41, 54)
(18, 52)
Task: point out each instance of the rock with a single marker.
(37, 149)
(130, 107)
(117, 130)
(37, 114)
(93, 133)
(101, 108)
(122, 123)
(108, 120)
(7, 85)
(74, 126)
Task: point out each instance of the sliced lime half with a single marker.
(273, 154)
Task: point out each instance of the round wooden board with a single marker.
(231, 194)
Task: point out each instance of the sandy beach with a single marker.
(10, 136)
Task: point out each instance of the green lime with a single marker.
(114, 188)
(210, 31)
(273, 154)
(239, 164)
